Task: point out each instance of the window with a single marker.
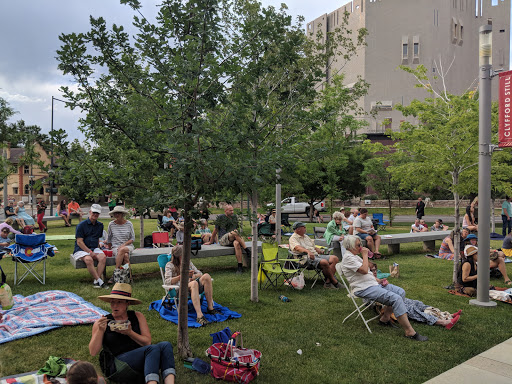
(387, 123)
(15, 190)
(404, 51)
(416, 49)
(26, 169)
(27, 189)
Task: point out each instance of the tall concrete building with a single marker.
(440, 34)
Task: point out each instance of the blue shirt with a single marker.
(91, 233)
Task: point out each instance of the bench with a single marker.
(150, 255)
(393, 241)
(55, 218)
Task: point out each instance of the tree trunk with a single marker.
(254, 250)
(390, 211)
(141, 232)
(183, 343)
(456, 238)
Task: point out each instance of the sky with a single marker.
(29, 31)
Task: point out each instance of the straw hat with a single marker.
(119, 208)
(121, 291)
(470, 250)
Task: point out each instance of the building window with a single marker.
(387, 123)
(26, 169)
(416, 49)
(14, 190)
(404, 51)
(27, 189)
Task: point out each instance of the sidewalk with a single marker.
(492, 366)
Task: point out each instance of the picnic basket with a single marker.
(234, 363)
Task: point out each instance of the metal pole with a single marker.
(278, 207)
(6, 195)
(51, 167)
(484, 168)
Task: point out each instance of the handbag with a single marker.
(6, 300)
(122, 275)
(235, 364)
(394, 270)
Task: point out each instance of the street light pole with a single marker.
(51, 172)
(484, 166)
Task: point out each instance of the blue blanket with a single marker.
(172, 314)
(44, 311)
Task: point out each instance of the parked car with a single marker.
(292, 205)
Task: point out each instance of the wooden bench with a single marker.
(150, 255)
(393, 241)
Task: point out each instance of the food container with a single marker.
(119, 325)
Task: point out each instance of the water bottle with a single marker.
(284, 299)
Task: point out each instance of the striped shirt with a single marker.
(118, 234)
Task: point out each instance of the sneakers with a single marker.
(202, 320)
(239, 271)
(417, 337)
(98, 285)
(330, 286)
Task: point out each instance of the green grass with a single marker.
(347, 352)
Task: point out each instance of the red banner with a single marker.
(505, 110)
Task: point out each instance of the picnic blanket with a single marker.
(172, 314)
(44, 311)
(500, 294)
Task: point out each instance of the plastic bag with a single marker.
(394, 270)
(6, 300)
(298, 281)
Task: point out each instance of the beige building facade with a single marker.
(440, 34)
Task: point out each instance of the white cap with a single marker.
(96, 208)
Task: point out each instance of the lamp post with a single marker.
(51, 171)
(484, 166)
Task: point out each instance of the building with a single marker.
(440, 34)
(29, 180)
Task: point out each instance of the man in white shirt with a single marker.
(363, 227)
(417, 227)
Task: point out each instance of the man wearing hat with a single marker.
(302, 245)
(74, 209)
(88, 233)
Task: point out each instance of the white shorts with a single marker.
(78, 255)
(130, 247)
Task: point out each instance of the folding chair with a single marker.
(271, 267)
(161, 238)
(359, 308)
(29, 251)
(285, 224)
(379, 220)
(294, 261)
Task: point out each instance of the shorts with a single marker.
(130, 247)
(224, 240)
(78, 255)
(201, 287)
(365, 235)
(74, 214)
(314, 263)
(507, 252)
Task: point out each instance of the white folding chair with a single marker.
(360, 308)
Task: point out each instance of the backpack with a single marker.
(148, 241)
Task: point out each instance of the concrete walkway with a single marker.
(492, 366)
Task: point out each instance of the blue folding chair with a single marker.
(381, 223)
(29, 251)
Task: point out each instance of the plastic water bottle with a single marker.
(284, 299)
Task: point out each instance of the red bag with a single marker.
(236, 364)
(27, 229)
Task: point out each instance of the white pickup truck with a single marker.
(292, 205)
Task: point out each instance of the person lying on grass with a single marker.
(128, 339)
(364, 285)
(418, 311)
(196, 280)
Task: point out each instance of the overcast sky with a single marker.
(29, 31)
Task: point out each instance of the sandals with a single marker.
(508, 282)
(202, 320)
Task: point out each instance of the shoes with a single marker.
(213, 312)
(417, 337)
(337, 285)
(452, 322)
(388, 323)
(457, 313)
(239, 271)
(104, 286)
(330, 286)
(202, 320)
(98, 285)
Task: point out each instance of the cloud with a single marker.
(19, 98)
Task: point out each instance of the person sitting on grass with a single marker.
(63, 212)
(197, 283)
(131, 343)
(363, 227)
(120, 237)
(447, 250)
(364, 285)
(5, 241)
(82, 372)
(439, 226)
(506, 248)
(417, 227)
(420, 312)
(470, 220)
(302, 245)
(204, 231)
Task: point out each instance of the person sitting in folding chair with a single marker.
(365, 285)
(5, 241)
(197, 283)
(300, 243)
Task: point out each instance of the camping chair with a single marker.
(294, 261)
(159, 223)
(29, 251)
(161, 238)
(265, 230)
(378, 218)
(360, 308)
(271, 267)
(285, 224)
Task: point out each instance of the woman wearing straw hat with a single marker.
(120, 236)
(130, 341)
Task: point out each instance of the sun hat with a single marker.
(96, 208)
(121, 291)
(471, 236)
(119, 208)
(470, 250)
(298, 224)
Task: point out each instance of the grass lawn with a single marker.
(332, 352)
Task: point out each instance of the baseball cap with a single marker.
(471, 236)
(96, 208)
(298, 224)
